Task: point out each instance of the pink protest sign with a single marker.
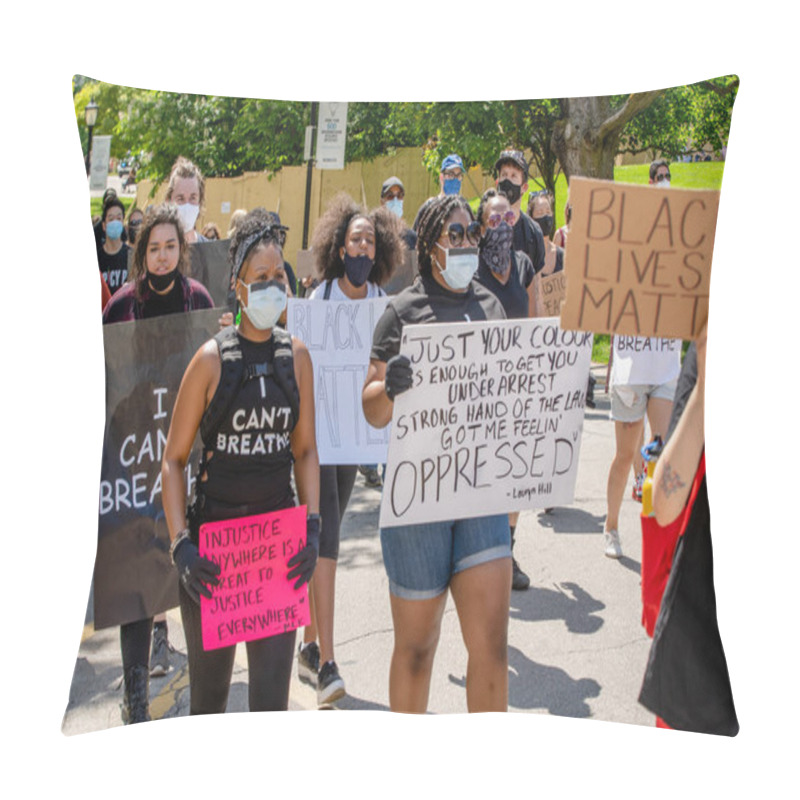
(254, 599)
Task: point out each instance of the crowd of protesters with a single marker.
(482, 265)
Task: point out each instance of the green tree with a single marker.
(115, 103)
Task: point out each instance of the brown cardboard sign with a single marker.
(552, 291)
(639, 259)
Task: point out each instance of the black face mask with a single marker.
(546, 224)
(132, 231)
(511, 190)
(160, 283)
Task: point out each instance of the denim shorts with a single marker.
(420, 559)
(629, 401)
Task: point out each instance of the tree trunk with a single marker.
(586, 139)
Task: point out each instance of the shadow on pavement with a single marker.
(567, 601)
(350, 703)
(536, 686)
(571, 520)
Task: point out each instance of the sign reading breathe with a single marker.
(639, 259)
(254, 598)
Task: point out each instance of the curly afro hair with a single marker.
(331, 231)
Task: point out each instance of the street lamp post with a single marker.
(90, 116)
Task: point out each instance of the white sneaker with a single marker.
(613, 549)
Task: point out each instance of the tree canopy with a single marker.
(227, 136)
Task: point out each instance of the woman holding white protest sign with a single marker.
(356, 251)
(258, 373)
(469, 557)
(157, 285)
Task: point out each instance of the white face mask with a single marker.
(266, 301)
(460, 265)
(188, 215)
(663, 184)
(395, 205)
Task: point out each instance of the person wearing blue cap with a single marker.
(450, 177)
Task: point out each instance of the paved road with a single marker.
(576, 644)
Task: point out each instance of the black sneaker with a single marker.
(159, 656)
(519, 580)
(330, 686)
(308, 663)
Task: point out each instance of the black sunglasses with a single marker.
(663, 177)
(455, 233)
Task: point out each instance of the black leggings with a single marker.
(134, 639)
(269, 664)
(335, 487)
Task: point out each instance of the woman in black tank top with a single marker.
(243, 475)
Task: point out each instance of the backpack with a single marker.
(235, 373)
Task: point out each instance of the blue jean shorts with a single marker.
(420, 559)
(629, 401)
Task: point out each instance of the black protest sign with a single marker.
(639, 259)
(144, 361)
(211, 267)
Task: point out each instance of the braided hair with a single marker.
(256, 230)
(430, 225)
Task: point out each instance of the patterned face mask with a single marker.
(496, 248)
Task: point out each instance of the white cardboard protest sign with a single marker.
(338, 336)
(492, 423)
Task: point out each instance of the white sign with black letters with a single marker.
(338, 335)
(331, 135)
(492, 423)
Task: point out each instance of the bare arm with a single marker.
(535, 307)
(377, 405)
(304, 439)
(676, 467)
(197, 387)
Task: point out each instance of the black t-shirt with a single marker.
(160, 304)
(513, 294)
(425, 301)
(114, 268)
(529, 239)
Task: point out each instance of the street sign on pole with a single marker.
(98, 170)
(331, 135)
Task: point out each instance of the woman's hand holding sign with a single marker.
(305, 561)
(197, 572)
(399, 376)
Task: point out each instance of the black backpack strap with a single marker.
(231, 378)
(283, 366)
(327, 293)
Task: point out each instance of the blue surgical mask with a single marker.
(461, 263)
(395, 205)
(114, 229)
(451, 186)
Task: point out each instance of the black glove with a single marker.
(306, 559)
(197, 572)
(399, 376)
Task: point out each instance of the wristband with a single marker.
(176, 542)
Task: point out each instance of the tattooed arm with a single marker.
(676, 467)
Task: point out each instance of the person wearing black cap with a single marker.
(511, 177)
(392, 195)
